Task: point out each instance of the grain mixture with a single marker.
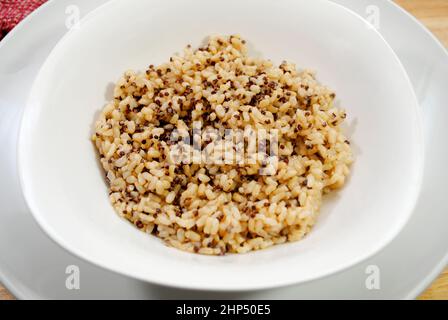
(208, 206)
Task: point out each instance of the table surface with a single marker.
(434, 14)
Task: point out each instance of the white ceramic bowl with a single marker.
(63, 182)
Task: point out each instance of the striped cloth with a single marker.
(14, 11)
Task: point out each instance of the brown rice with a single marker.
(217, 208)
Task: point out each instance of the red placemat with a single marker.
(14, 11)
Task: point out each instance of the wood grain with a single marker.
(433, 14)
(438, 289)
(4, 294)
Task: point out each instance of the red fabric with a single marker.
(14, 11)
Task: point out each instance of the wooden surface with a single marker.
(434, 14)
(4, 294)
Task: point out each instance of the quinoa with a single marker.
(208, 206)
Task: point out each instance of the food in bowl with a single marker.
(218, 152)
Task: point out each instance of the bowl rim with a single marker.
(66, 245)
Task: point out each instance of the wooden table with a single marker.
(434, 14)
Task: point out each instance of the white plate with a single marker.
(31, 266)
(370, 82)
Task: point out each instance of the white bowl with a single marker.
(63, 183)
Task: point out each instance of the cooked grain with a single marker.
(217, 208)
